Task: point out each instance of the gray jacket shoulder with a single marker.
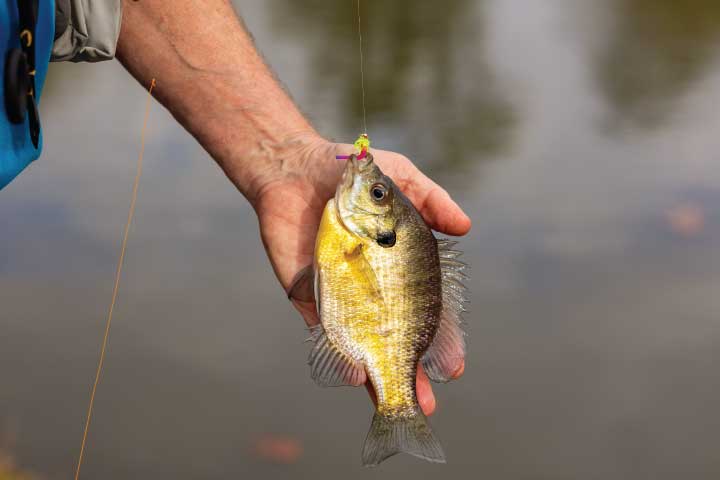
(86, 30)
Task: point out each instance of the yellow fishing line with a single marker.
(118, 272)
(362, 144)
(362, 72)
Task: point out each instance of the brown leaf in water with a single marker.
(687, 220)
(278, 448)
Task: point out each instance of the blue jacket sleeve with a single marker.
(16, 147)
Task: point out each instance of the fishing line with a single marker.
(362, 72)
(116, 286)
(362, 144)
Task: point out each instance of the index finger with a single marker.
(442, 213)
(439, 211)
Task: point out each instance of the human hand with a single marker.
(289, 202)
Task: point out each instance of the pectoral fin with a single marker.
(447, 350)
(364, 271)
(302, 286)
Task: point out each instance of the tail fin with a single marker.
(391, 435)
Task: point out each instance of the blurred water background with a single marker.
(582, 137)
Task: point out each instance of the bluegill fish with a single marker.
(389, 296)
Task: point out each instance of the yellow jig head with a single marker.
(362, 145)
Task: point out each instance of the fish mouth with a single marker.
(345, 185)
(354, 164)
(346, 181)
(362, 164)
(355, 168)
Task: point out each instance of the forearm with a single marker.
(214, 82)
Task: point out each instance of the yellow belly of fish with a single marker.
(360, 314)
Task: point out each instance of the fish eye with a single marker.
(378, 192)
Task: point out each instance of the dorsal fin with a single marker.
(329, 366)
(444, 356)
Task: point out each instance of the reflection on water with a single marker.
(427, 76)
(594, 334)
(656, 50)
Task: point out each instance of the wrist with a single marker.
(272, 161)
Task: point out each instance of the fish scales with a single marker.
(388, 325)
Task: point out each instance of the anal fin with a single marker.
(329, 366)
